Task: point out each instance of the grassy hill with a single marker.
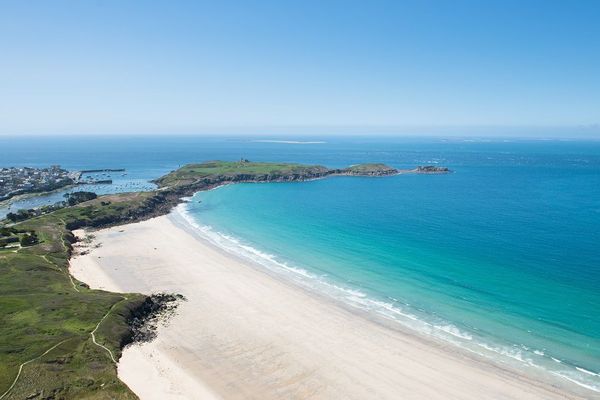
(229, 170)
(47, 317)
(262, 171)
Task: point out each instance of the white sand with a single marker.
(243, 334)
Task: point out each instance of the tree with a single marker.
(21, 215)
(29, 239)
(79, 197)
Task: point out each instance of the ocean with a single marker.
(500, 257)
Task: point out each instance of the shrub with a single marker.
(29, 239)
(10, 239)
(4, 231)
(79, 197)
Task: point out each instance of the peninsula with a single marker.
(191, 178)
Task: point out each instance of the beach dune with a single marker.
(244, 334)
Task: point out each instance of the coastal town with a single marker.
(16, 181)
(20, 180)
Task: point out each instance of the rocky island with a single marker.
(431, 169)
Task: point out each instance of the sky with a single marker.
(93, 67)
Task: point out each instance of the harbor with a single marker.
(100, 181)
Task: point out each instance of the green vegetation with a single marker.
(47, 317)
(28, 239)
(20, 215)
(370, 169)
(244, 170)
(104, 210)
(71, 199)
(5, 241)
(11, 238)
(227, 170)
(79, 197)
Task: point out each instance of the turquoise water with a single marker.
(500, 257)
(501, 260)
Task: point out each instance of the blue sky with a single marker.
(290, 66)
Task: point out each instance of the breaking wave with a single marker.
(393, 310)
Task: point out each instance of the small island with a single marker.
(431, 169)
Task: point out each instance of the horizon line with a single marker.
(531, 131)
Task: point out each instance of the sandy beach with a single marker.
(243, 334)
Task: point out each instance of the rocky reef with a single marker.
(431, 169)
(144, 320)
(366, 170)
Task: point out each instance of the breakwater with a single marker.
(91, 171)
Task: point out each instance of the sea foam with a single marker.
(393, 310)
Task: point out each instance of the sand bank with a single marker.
(243, 334)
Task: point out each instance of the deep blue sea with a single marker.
(501, 257)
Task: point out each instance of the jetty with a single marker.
(91, 171)
(79, 174)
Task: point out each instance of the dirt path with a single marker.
(93, 333)
(59, 343)
(27, 362)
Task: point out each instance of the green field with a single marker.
(47, 317)
(262, 171)
(228, 169)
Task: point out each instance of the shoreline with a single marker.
(25, 196)
(137, 258)
(289, 276)
(441, 333)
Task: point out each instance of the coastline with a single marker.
(244, 333)
(24, 196)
